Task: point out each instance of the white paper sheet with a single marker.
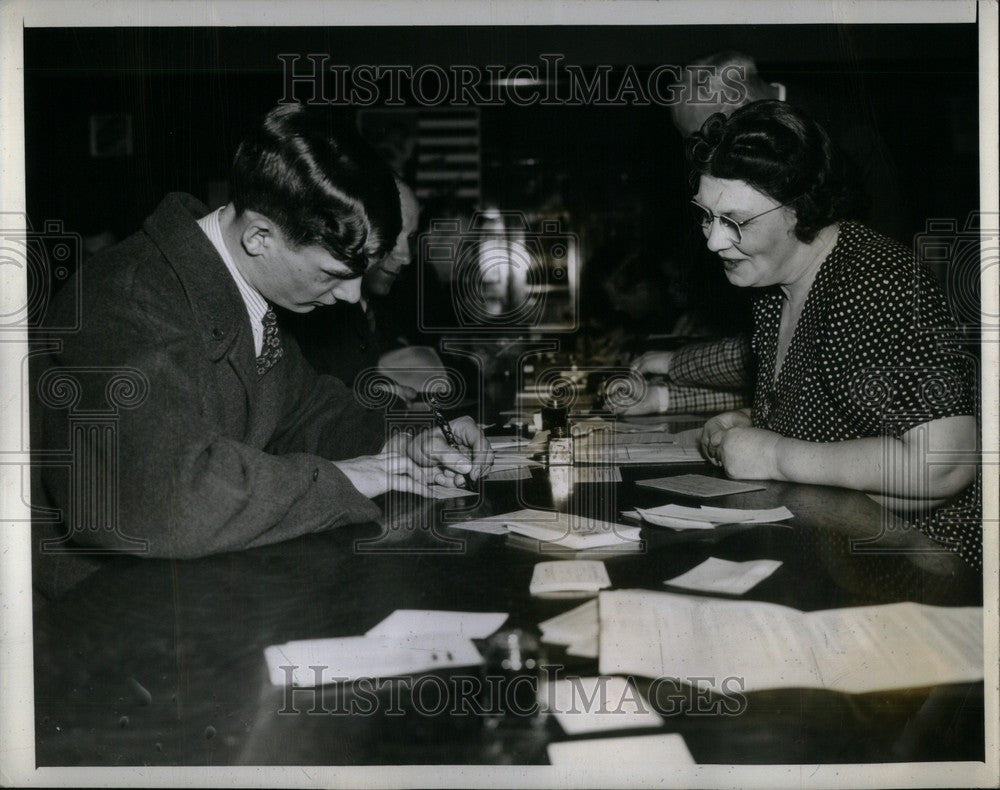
(493, 525)
(585, 648)
(723, 576)
(578, 624)
(650, 516)
(449, 492)
(597, 704)
(576, 629)
(407, 622)
(666, 750)
(315, 662)
(569, 575)
(732, 515)
(570, 531)
(509, 473)
(637, 454)
(681, 517)
(597, 474)
(700, 485)
(761, 646)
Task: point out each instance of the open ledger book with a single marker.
(855, 650)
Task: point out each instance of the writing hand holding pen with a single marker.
(456, 453)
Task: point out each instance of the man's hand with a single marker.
(715, 430)
(373, 475)
(653, 362)
(447, 466)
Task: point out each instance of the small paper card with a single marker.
(650, 516)
(597, 474)
(732, 515)
(681, 517)
(570, 530)
(492, 525)
(569, 576)
(449, 492)
(596, 704)
(584, 648)
(723, 576)
(701, 486)
(513, 473)
(579, 624)
(317, 662)
(407, 622)
(666, 750)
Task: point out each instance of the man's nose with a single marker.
(348, 291)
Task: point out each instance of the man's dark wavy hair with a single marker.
(779, 151)
(310, 172)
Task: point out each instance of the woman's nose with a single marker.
(717, 238)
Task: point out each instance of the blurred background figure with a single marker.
(725, 81)
(720, 82)
(345, 339)
(383, 330)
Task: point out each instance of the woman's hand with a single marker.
(749, 453)
(715, 429)
(655, 400)
(653, 362)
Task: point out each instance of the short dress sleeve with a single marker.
(875, 351)
(891, 354)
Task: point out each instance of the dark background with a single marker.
(190, 91)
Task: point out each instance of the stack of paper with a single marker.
(566, 530)
(512, 459)
(680, 517)
(407, 642)
(576, 629)
(750, 645)
(569, 576)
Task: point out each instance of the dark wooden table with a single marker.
(152, 662)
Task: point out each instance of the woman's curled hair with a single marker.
(781, 152)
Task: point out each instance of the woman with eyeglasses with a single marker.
(859, 381)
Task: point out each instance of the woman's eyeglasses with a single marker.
(732, 228)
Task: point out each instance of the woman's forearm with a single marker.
(929, 462)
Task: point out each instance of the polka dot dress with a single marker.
(874, 353)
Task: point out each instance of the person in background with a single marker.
(228, 439)
(344, 340)
(730, 80)
(858, 383)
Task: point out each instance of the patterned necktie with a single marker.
(270, 350)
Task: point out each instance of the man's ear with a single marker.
(257, 234)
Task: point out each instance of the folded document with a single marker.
(406, 642)
(562, 529)
(766, 646)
